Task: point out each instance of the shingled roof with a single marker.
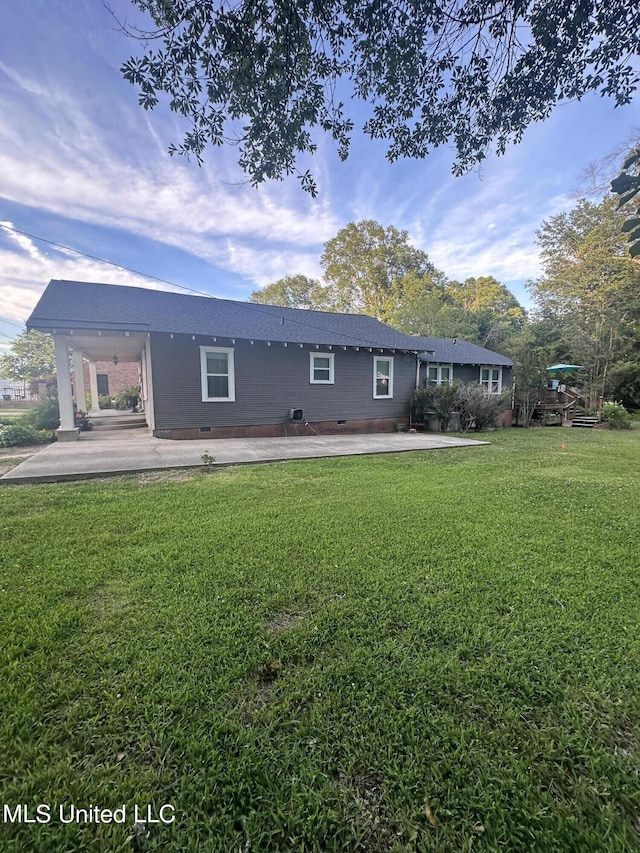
(91, 306)
(454, 351)
(84, 305)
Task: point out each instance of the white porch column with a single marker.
(149, 410)
(93, 389)
(67, 430)
(78, 380)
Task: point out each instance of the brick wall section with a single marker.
(121, 375)
(288, 429)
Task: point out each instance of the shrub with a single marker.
(44, 416)
(442, 400)
(478, 408)
(208, 461)
(105, 403)
(616, 416)
(625, 380)
(18, 436)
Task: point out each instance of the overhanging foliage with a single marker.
(627, 187)
(265, 75)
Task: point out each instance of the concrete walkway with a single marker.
(104, 453)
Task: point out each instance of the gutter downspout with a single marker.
(417, 355)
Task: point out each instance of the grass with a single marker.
(433, 651)
(12, 456)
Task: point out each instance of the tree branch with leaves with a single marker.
(31, 357)
(268, 76)
(627, 186)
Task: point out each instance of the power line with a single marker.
(102, 260)
(12, 323)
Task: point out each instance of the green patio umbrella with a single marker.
(565, 368)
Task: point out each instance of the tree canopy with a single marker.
(591, 287)
(370, 269)
(31, 357)
(469, 73)
(293, 291)
(374, 270)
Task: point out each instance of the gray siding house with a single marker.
(219, 368)
(450, 360)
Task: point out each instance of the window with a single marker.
(218, 382)
(491, 379)
(103, 384)
(439, 374)
(321, 368)
(382, 378)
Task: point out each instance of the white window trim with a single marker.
(312, 357)
(376, 359)
(491, 367)
(231, 375)
(439, 367)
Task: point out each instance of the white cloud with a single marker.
(24, 274)
(76, 171)
(23, 241)
(488, 226)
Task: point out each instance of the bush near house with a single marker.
(18, 436)
(478, 408)
(439, 400)
(44, 416)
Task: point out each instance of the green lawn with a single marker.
(431, 651)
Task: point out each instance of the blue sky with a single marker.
(83, 165)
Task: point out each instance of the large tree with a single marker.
(31, 357)
(480, 310)
(591, 286)
(435, 315)
(369, 269)
(265, 74)
(491, 306)
(293, 291)
(372, 270)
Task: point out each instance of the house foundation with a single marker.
(288, 429)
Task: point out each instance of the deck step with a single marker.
(585, 421)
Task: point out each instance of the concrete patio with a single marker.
(103, 453)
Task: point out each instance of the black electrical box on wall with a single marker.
(296, 414)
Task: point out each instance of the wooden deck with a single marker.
(566, 402)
